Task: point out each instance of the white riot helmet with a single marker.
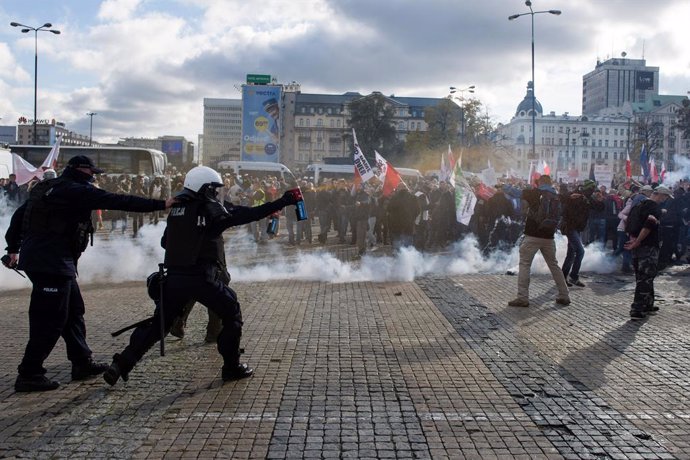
(49, 174)
(201, 176)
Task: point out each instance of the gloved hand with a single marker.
(292, 196)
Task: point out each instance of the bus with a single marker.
(318, 172)
(258, 169)
(114, 160)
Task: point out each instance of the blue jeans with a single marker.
(576, 252)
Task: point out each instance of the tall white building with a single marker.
(616, 81)
(222, 134)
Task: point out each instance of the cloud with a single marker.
(117, 10)
(145, 67)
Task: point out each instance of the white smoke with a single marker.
(681, 171)
(117, 258)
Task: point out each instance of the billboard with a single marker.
(644, 80)
(172, 147)
(261, 123)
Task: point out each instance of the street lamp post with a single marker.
(44, 28)
(568, 130)
(91, 114)
(453, 90)
(534, 95)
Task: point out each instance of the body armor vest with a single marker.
(47, 214)
(188, 243)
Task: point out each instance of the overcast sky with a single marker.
(145, 65)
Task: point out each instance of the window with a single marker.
(599, 142)
(332, 123)
(615, 156)
(308, 122)
(319, 122)
(615, 143)
(606, 155)
(615, 131)
(301, 121)
(598, 155)
(606, 143)
(338, 123)
(584, 155)
(606, 131)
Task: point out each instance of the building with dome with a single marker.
(572, 145)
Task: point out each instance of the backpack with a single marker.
(548, 213)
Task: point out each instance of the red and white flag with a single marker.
(381, 167)
(51, 160)
(653, 171)
(391, 177)
(546, 169)
(24, 170)
(628, 167)
(663, 171)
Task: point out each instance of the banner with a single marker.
(261, 123)
(465, 200)
(361, 164)
(603, 175)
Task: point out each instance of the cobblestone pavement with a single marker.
(437, 368)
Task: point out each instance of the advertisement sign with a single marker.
(261, 123)
(644, 80)
(172, 147)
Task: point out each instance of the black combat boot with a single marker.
(88, 369)
(116, 371)
(236, 372)
(31, 383)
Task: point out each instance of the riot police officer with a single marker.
(46, 237)
(196, 270)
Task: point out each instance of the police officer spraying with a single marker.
(46, 237)
(196, 270)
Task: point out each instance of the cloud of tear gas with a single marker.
(119, 258)
(681, 171)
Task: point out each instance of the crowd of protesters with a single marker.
(420, 214)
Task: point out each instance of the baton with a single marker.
(161, 274)
(143, 322)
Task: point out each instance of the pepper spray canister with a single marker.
(273, 221)
(300, 207)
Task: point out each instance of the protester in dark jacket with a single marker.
(576, 211)
(538, 238)
(402, 211)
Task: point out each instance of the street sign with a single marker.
(258, 79)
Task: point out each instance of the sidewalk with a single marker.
(438, 368)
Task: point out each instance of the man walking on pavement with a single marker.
(538, 237)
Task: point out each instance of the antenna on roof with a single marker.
(642, 49)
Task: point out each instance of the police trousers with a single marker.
(179, 290)
(56, 310)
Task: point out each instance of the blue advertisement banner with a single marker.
(261, 123)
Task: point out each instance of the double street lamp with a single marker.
(26, 29)
(534, 95)
(453, 90)
(90, 115)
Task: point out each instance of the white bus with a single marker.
(257, 169)
(319, 172)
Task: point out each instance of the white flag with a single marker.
(361, 163)
(51, 160)
(381, 167)
(24, 170)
